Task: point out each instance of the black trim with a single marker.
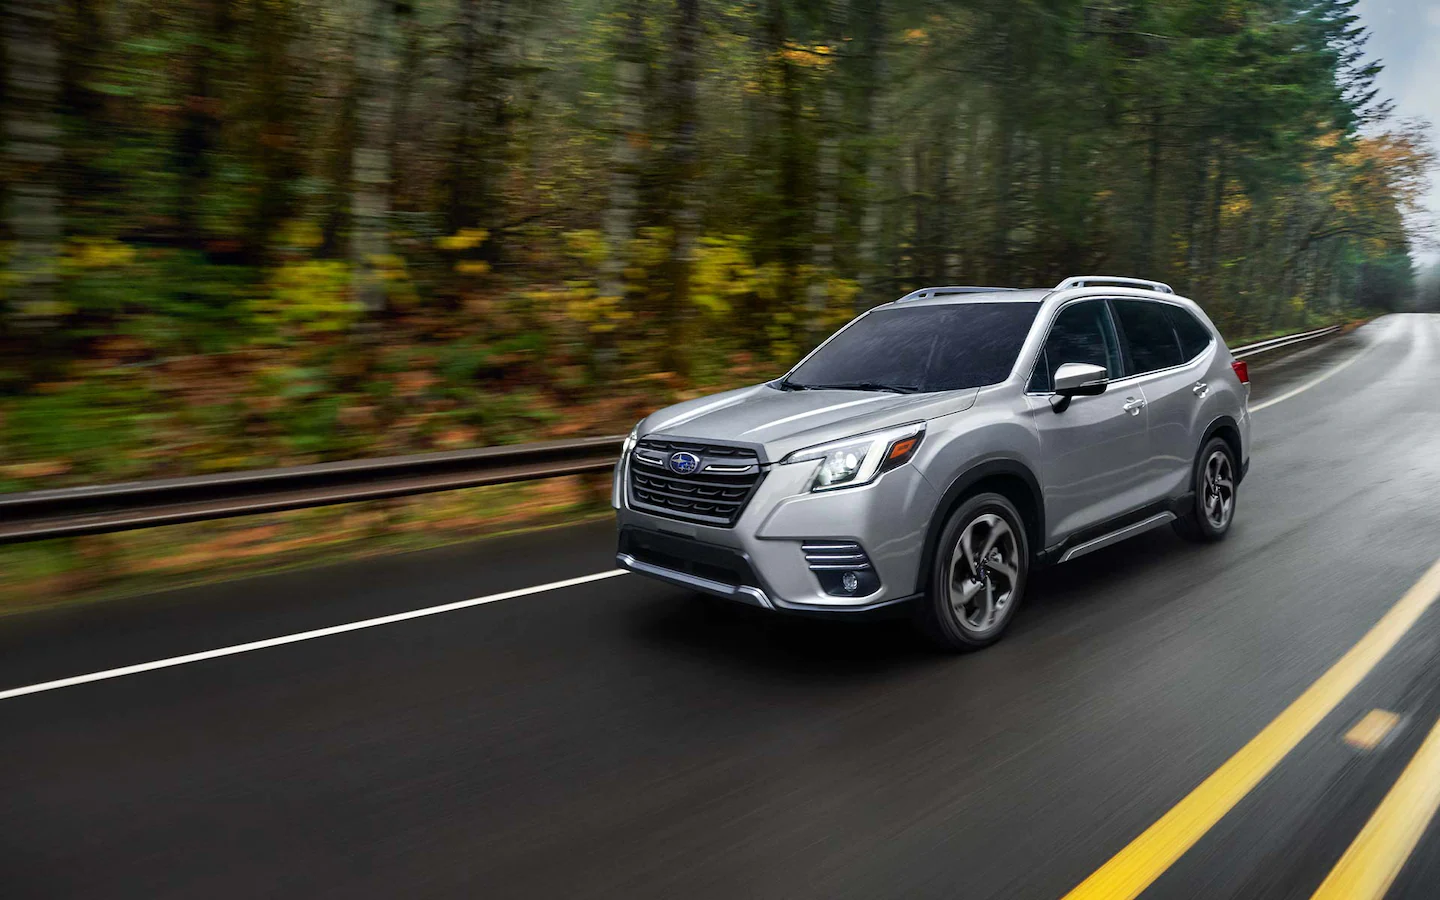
(955, 494)
(689, 556)
(1127, 364)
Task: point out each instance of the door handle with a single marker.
(1200, 389)
(1133, 405)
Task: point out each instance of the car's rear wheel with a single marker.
(981, 567)
(1213, 508)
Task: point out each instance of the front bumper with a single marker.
(759, 561)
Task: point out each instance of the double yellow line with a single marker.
(1375, 858)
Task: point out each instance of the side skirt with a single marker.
(1116, 530)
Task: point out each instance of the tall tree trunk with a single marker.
(997, 267)
(402, 120)
(83, 182)
(787, 235)
(461, 183)
(1212, 248)
(499, 68)
(876, 120)
(1149, 234)
(479, 151)
(941, 196)
(685, 216)
(1194, 193)
(275, 143)
(629, 147)
(199, 132)
(32, 155)
(827, 204)
(370, 191)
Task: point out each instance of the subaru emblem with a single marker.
(683, 463)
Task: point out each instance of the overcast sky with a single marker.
(1405, 36)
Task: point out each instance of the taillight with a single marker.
(1242, 371)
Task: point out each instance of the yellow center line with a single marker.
(1370, 866)
(1137, 866)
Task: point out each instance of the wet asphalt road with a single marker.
(623, 739)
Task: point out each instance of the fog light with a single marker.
(850, 581)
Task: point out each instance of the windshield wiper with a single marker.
(858, 386)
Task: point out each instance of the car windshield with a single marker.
(920, 349)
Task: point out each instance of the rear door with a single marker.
(1094, 451)
(1172, 378)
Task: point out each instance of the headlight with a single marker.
(617, 484)
(858, 460)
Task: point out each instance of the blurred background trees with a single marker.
(250, 231)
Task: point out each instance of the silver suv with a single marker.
(935, 449)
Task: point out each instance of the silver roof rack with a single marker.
(1079, 281)
(926, 293)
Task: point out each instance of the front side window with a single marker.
(921, 348)
(1148, 335)
(1082, 333)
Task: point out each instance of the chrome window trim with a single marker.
(1127, 378)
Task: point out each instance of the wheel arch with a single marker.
(1011, 479)
(1225, 428)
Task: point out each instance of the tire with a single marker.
(1212, 511)
(972, 612)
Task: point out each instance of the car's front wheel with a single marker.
(981, 566)
(1213, 509)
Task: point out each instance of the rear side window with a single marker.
(1194, 337)
(1149, 335)
(1082, 333)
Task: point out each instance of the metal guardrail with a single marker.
(1266, 346)
(36, 515)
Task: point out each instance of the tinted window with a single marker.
(924, 348)
(1148, 334)
(1082, 333)
(1194, 337)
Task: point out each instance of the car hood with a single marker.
(782, 422)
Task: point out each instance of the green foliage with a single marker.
(562, 217)
(307, 297)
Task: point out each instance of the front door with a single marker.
(1094, 453)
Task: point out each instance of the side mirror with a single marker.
(1077, 380)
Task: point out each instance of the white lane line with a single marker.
(1314, 381)
(301, 636)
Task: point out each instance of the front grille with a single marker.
(715, 494)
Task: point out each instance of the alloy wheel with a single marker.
(1218, 490)
(984, 572)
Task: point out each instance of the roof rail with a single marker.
(1079, 281)
(926, 293)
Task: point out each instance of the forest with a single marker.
(257, 232)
